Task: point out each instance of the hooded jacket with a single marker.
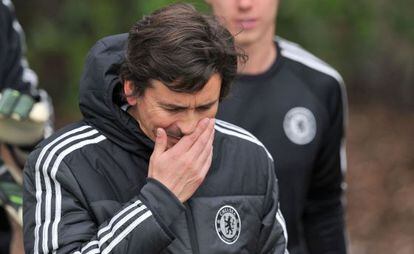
(86, 188)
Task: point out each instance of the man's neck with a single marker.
(262, 55)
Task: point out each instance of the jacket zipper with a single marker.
(191, 229)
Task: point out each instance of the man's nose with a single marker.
(189, 123)
(245, 4)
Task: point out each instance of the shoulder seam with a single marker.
(298, 54)
(295, 52)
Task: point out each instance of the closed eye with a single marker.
(175, 110)
(204, 108)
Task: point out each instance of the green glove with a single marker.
(22, 119)
(11, 198)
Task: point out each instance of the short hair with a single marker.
(182, 48)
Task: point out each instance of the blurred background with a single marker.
(370, 42)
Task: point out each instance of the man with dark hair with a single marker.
(138, 174)
(294, 103)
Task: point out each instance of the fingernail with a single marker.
(158, 132)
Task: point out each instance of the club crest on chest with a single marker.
(299, 125)
(228, 224)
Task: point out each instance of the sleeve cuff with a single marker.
(162, 201)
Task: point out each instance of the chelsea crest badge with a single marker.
(300, 125)
(228, 224)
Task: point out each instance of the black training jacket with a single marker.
(86, 188)
(297, 109)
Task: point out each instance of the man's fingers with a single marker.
(160, 142)
(207, 163)
(203, 140)
(186, 142)
(206, 151)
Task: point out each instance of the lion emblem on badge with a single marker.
(228, 224)
(300, 125)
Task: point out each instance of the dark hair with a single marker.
(182, 48)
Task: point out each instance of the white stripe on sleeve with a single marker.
(58, 203)
(38, 183)
(48, 195)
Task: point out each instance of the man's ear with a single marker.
(129, 90)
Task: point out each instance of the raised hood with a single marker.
(99, 100)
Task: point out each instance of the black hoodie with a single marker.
(86, 188)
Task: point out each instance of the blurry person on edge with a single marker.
(25, 119)
(295, 104)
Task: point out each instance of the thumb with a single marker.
(160, 142)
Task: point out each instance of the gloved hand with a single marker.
(24, 121)
(11, 198)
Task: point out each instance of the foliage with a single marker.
(371, 42)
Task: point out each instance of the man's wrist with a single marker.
(162, 201)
